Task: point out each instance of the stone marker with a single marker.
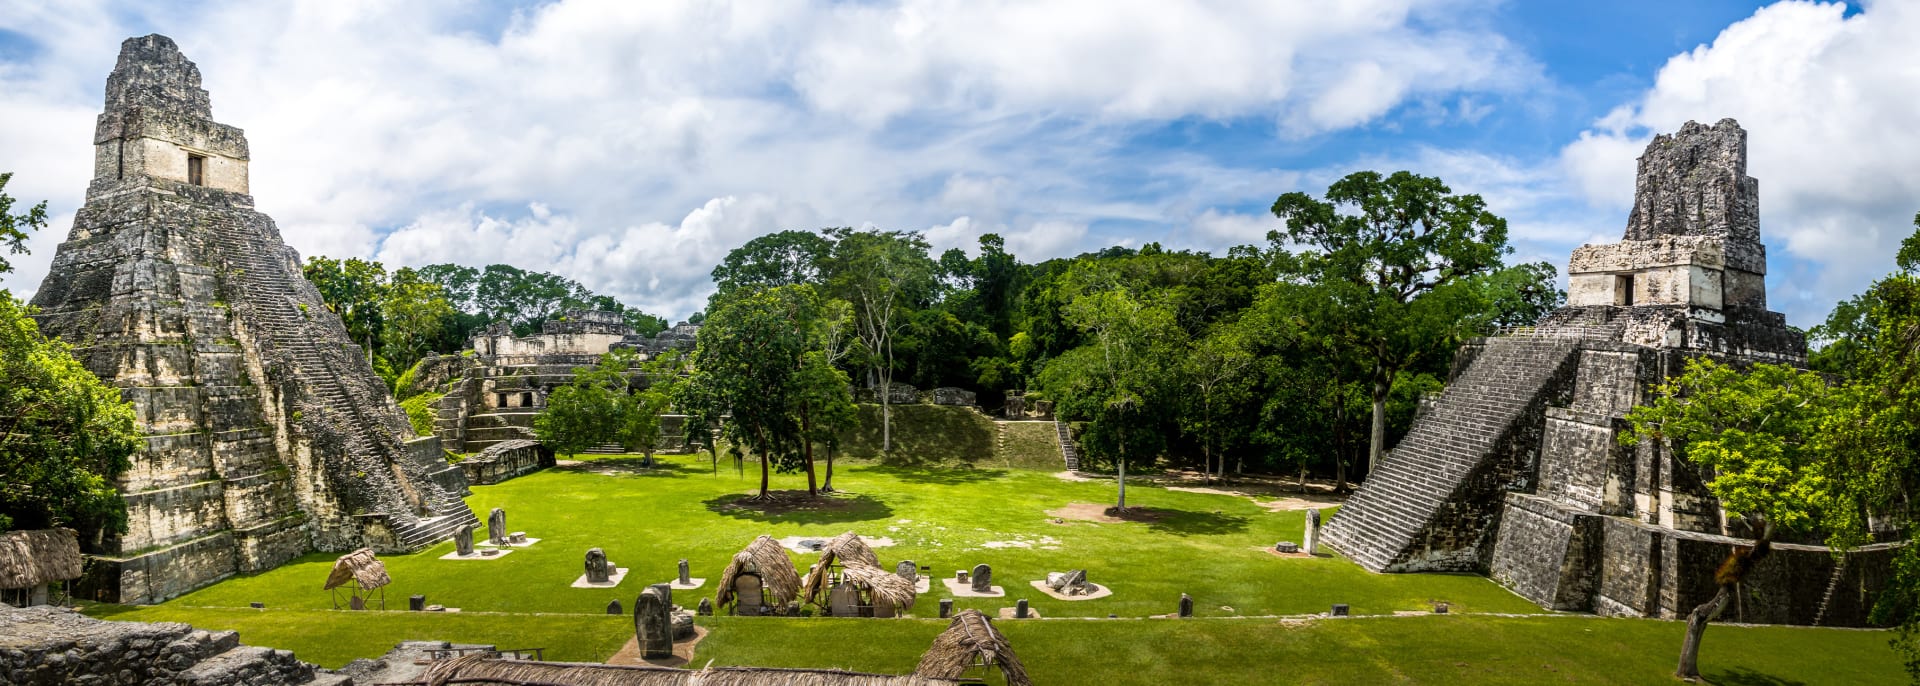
(982, 578)
(1069, 583)
(705, 609)
(1311, 542)
(946, 608)
(599, 570)
(416, 603)
(1186, 605)
(497, 526)
(357, 603)
(613, 607)
(257, 606)
(1439, 608)
(843, 600)
(960, 576)
(517, 537)
(1286, 547)
(1020, 609)
(653, 622)
(463, 541)
(686, 579)
(1339, 609)
(907, 570)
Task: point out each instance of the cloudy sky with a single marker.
(631, 144)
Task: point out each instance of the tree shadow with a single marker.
(934, 476)
(1183, 522)
(1742, 676)
(796, 507)
(633, 467)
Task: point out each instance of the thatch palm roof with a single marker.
(361, 567)
(482, 669)
(767, 558)
(877, 583)
(31, 558)
(969, 641)
(845, 548)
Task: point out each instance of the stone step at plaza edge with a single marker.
(268, 434)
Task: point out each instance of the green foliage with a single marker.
(1757, 435)
(14, 227)
(785, 258)
(599, 407)
(352, 289)
(64, 435)
(415, 311)
(421, 410)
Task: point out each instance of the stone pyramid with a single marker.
(268, 435)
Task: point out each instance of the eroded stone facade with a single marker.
(267, 433)
(493, 391)
(1518, 472)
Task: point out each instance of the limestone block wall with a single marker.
(50, 646)
(1546, 553)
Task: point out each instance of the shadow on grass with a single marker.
(951, 476)
(796, 507)
(1741, 676)
(1183, 522)
(634, 466)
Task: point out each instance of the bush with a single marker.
(421, 410)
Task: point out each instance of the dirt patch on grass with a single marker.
(682, 652)
(1299, 503)
(800, 544)
(1106, 514)
(790, 502)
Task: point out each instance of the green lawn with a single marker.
(1209, 546)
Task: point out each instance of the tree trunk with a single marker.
(1303, 476)
(1377, 442)
(1689, 668)
(828, 486)
(1123, 469)
(806, 443)
(886, 420)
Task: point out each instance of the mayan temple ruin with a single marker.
(268, 433)
(1516, 471)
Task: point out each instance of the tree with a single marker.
(1115, 379)
(352, 289)
(525, 298)
(414, 312)
(1758, 440)
(750, 362)
(786, 258)
(14, 227)
(593, 409)
(885, 275)
(1216, 368)
(1394, 259)
(65, 436)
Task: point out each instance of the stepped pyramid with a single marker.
(268, 435)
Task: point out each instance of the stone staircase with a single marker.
(281, 321)
(1067, 450)
(1432, 500)
(1833, 588)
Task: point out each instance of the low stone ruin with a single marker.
(505, 460)
(51, 646)
(958, 397)
(1069, 583)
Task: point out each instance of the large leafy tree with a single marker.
(525, 298)
(64, 435)
(785, 258)
(414, 312)
(885, 275)
(751, 364)
(1394, 260)
(608, 404)
(1758, 439)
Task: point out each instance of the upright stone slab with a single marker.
(463, 541)
(497, 526)
(686, 577)
(906, 569)
(982, 578)
(1311, 540)
(267, 433)
(653, 622)
(598, 569)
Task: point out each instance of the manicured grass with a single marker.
(1028, 445)
(923, 435)
(1207, 545)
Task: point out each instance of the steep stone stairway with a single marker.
(281, 322)
(1067, 451)
(1420, 487)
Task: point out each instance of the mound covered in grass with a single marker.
(923, 435)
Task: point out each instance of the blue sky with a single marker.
(631, 144)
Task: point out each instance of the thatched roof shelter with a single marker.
(482, 669)
(360, 567)
(845, 548)
(766, 557)
(971, 643)
(29, 559)
(875, 584)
